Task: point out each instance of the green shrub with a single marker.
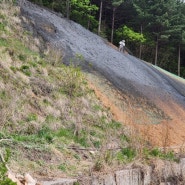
(161, 154)
(2, 27)
(83, 141)
(2, 17)
(64, 132)
(115, 125)
(72, 81)
(22, 57)
(26, 70)
(3, 42)
(126, 154)
(155, 152)
(4, 180)
(109, 157)
(76, 183)
(14, 69)
(50, 118)
(46, 133)
(97, 144)
(63, 167)
(3, 95)
(98, 165)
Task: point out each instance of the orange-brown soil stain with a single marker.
(162, 131)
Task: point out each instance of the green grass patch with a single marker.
(26, 70)
(2, 27)
(159, 154)
(62, 167)
(114, 125)
(50, 119)
(97, 107)
(32, 117)
(22, 57)
(64, 132)
(126, 154)
(14, 69)
(4, 42)
(3, 95)
(4, 180)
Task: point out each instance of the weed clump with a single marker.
(4, 180)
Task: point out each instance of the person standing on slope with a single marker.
(122, 45)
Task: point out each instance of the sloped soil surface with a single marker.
(137, 93)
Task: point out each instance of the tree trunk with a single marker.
(113, 18)
(100, 17)
(52, 5)
(68, 9)
(179, 59)
(40, 2)
(156, 50)
(140, 46)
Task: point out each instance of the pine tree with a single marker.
(177, 29)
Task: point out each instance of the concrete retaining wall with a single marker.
(159, 173)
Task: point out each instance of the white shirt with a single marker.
(122, 43)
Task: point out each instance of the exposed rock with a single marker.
(109, 180)
(60, 182)
(128, 177)
(13, 178)
(29, 180)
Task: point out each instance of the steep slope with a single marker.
(50, 119)
(163, 95)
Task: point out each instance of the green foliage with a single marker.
(63, 132)
(156, 152)
(117, 3)
(50, 118)
(114, 125)
(32, 117)
(126, 154)
(124, 138)
(62, 167)
(3, 42)
(82, 141)
(46, 133)
(97, 144)
(2, 27)
(76, 183)
(3, 95)
(26, 70)
(98, 165)
(83, 12)
(131, 35)
(72, 81)
(108, 157)
(22, 57)
(4, 180)
(14, 69)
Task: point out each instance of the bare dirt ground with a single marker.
(163, 129)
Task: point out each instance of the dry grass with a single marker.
(40, 97)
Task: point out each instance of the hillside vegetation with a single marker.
(51, 120)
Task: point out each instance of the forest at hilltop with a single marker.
(154, 30)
